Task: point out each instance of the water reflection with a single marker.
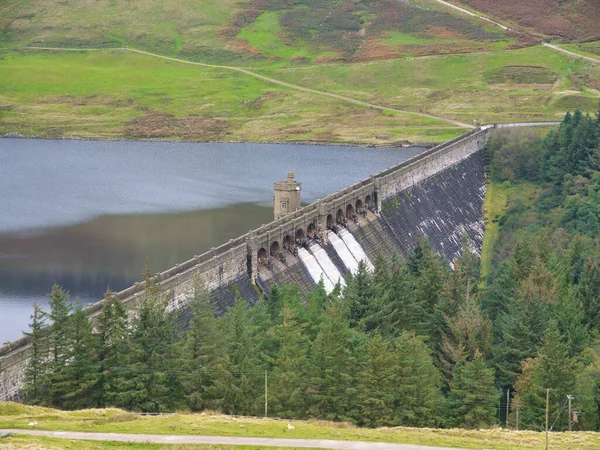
(108, 251)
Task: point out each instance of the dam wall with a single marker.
(437, 194)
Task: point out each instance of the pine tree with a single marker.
(203, 349)
(468, 333)
(237, 385)
(81, 374)
(275, 303)
(60, 344)
(377, 384)
(552, 369)
(518, 335)
(287, 391)
(587, 293)
(333, 368)
(359, 295)
(397, 310)
(473, 398)
(35, 372)
(418, 397)
(154, 384)
(113, 354)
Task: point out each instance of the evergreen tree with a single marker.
(60, 345)
(333, 367)
(81, 374)
(238, 383)
(468, 333)
(114, 354)
(552, 369)
(35, 372)
(287, 391)
(359, 295)
(473, 398)
(418, 397)
(377, 385)
(203, 349)
(154, 384)
(587, 293)
(518, 335)
(397, 310)
(275, 303)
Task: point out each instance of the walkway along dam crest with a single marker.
(438, 194)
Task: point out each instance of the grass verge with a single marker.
(117, 421)
(494, 206)
(21, 441)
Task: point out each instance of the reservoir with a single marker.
(89, 214)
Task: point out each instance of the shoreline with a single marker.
(394, 144)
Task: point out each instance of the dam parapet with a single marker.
(438, 194)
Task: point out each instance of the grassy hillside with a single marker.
(123, 95)
(250, 30)
(568, 20)
(117, 421)
(528, 84)
(417, 55)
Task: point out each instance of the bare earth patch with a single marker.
(193, 128)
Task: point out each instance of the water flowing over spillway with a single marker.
(345, 255)
(355, 248)
(326, 264)
(314, 269)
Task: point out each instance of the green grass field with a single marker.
(112, 94)
(463, 87)
(117, 421)
(35, 443)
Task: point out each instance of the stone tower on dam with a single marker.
(438, 194)
(287, 197)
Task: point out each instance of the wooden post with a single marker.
(517, 424)
(570, 397)
(266, 395)
(507, 405)
(547, 412)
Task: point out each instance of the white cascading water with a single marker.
(314, 269)
(326, 263)
(345, 255)
(355, 248)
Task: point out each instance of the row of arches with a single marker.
(299, 239)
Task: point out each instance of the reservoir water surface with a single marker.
(90, 214)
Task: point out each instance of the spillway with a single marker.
(355, 248)
(314, 269)
(342, 250)
(326, 264)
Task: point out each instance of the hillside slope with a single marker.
(256, 30)
(569, 20)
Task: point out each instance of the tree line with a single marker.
(415, 342)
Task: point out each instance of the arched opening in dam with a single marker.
(288, 243)
(329, 221)
(310, 231)
(262, 256)
(275, 248)
(359, 205)
(349, 211)
(368, 202)
(300, 237)
(339, 216)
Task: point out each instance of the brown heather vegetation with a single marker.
(355, 29)
(570, 20)
(191, 128)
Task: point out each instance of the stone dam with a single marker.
(438, 194)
